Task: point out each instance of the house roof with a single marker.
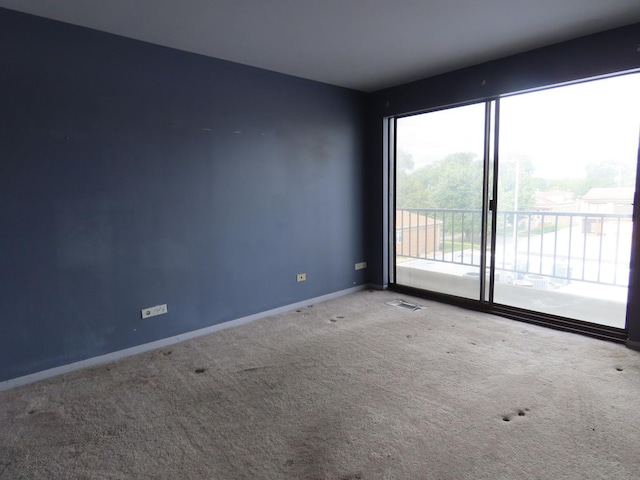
(553, 198)
(408, 219)
(609, 195)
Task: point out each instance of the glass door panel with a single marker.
(439, 185)
(567, 170)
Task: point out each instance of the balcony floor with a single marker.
(589, 302)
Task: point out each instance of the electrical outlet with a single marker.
(153, 311)
(301, 277)
(361, 265)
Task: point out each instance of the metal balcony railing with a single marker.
(564, 246)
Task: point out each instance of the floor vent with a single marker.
(405, 305)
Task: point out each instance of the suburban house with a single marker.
(555, 201)
(608, 200)
(614, 200)
(417, 235)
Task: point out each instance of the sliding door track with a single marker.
(594, 330)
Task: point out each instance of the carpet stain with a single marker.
(253, 369)
(289, 463)
(200, 370)
(31, 412)
(520, 412)
(168, 352)
(353, 476)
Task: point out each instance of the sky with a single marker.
(560, 129)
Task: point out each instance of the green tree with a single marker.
(453, 182)
(411, 188)
(456, 181)
(404, 162)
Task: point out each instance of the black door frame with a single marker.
(489, 203)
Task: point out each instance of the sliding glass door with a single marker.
(439, 185)
(557, 216)
(566, 187)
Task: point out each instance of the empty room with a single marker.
(319, 240)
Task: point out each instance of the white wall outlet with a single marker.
(153, 311)
(301, 277)
(361, 265)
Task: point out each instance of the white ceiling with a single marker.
(361, 44)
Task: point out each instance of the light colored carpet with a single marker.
(348, 389)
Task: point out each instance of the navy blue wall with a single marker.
(133, 175)
(604, 53)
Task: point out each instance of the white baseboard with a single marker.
(127, 352)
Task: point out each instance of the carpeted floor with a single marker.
(348, 389)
